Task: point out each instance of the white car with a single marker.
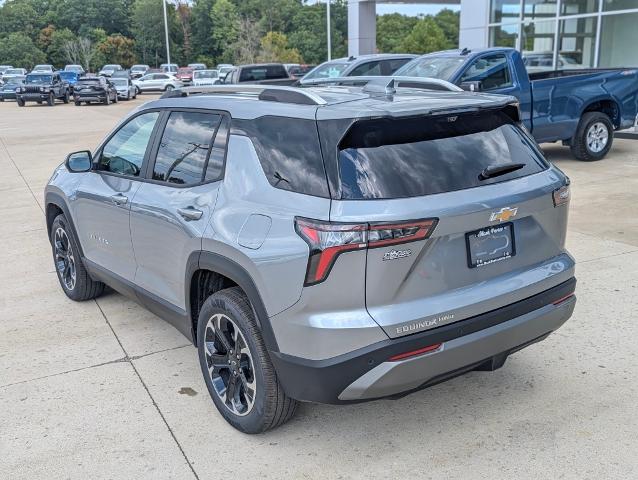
(43, 69)
(109, 70)
(79, 69)
(205, 77)
(124, 87)
(158, 82)
(13, 72)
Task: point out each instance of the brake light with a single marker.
(561, 195)
(328, 240)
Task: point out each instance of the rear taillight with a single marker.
(561, 195)
(328, 240)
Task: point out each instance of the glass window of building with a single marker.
(505, 11)
(615, 50)
(539, 9)
(577, 7)
(610, 5)
(577, 42)
(537, 45)
(504, 36)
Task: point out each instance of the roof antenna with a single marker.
(465, 51)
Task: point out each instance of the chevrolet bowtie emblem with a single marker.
(504, 214)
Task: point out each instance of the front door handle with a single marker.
(190, 213)
(119, 199)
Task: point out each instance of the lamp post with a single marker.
(168, 48)
(328, 27)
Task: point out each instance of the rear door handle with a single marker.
(190, 213)
(119, 199)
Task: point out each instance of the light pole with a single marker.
(328, 27)
(168, 48)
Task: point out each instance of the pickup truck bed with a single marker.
(582, 108)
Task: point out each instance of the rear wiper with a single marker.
(497, 170)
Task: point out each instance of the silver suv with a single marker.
(333, 244)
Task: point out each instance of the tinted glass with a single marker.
(393, 65)
(369, 68)
(266, 72)
(184, 147)
(289, 152)
(414, 157)
(328, 70)
(433, 67)
(215, 166)
(39, 79)
(493, 71)
(124, 152)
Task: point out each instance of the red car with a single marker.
(185, 74)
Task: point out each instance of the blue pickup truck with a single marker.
(580, 107)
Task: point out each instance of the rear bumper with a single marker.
(90, 98)
(480, 342)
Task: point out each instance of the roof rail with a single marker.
(272, 93)
(385, 84)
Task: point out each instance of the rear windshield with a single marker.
(88, 81)
(328, 70)
(433, 67)
(384, 159)
(265, 72)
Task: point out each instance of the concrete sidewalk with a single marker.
(104, 389)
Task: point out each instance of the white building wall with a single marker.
(474, 20)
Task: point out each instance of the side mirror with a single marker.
(474, 86)
(77, 162)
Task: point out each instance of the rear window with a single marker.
(384, 159)
(265, 72)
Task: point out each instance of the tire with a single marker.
(115, 99)
(77, 103)
(82, 286)
(51, 100)
(20, 102)
(128, 96)
(593, 138)
(1, 99)
(168, 88)
(107, 100)
(222, 312)
(66, 97)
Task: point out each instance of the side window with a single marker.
(184, 147)
(369, 68)
(124, 152)
(493, 71)
(391, 66)
(215, 166)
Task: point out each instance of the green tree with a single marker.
(113, 16)
(274, 48)
(309, 35)
(201, 31)
(448, 21)
(391, 31)
(148, 31)
(19, 16)
(425, 37)
(118, 49)
(56, 52)
(224, 30)
(19, 50)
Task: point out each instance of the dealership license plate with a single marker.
(490, 245)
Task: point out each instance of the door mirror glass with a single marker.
(78, 162)
(475, 86)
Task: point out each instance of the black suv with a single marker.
(94, 89)
(43, 87)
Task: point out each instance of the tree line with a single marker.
(95, 32)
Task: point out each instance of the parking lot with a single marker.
(104, 389)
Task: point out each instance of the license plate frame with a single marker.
(490, 232)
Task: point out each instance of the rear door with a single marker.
(461, 215)
(171, 210)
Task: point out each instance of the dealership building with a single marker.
(550, 33)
